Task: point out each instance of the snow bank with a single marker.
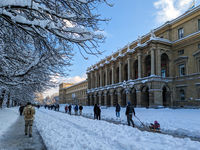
(7, 117)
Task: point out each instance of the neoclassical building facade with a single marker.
(161, 68)
(73, 93)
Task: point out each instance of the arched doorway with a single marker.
(123, 100)
(145, 97)
(108, 99)
(148, 66)
(164, 65)
(97, 99)
(102, 99)
(164, 96)
(126, 72)
(115, 98)
(92, 99)
(133, 99)
(88, 100)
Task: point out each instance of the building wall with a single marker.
(159, 51)
(80, 93)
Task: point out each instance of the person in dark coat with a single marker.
(99, 113)
(118, 110)
(21, 108)
(66, 109)
(129, 112)
(80, 109)
(76, 110)
(96, 111)
(70, 109)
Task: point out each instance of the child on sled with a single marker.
(156, 126)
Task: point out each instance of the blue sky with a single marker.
(129, 19)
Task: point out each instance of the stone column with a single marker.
(99, 99)
(139, 66)
(91, 80)
(105, 99)
(95, 100)
(152, 62)
(106, 76)
(120, 72)
(101, 78)
(119, 98)
(96, 79)
(129, 68)
(139, 98)
(158, 63)
(111, 99)
(113, 74)
(155, 98)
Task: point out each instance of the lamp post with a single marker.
(125, 86)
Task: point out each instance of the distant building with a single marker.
(80, 89)
(161, 68)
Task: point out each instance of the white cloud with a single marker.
(170, 9)
(59, 80)
(103, 33)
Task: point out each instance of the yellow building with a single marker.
(79, 89)
(161, 68)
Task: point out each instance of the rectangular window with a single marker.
(199, 46)
(199, 65)
(180, 33)
(181, 52)
(163, 73)
(161, 37)
(182, 70)
(199, 24)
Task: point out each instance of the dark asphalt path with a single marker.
(15, 138)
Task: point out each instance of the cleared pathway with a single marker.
(15, 138)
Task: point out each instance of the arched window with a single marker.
(182, 94)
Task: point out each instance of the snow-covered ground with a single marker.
(7, 117)
(62, 131)
(179, 121)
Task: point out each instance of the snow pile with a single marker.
(62, 131)
(7, 117)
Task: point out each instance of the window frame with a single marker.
(180, 95)
(180, 33)
(181, 52)
(181, 66)
(198, 24)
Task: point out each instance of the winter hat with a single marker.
(155, 122)
(129, 102)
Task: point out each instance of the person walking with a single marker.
(118, 110)
(80, 109)
(96, 110)
(99, 113)
(129, 112)
(66, 109)
(28, 113)
(76, 110)
(70, 109)
(21, 108)
(58, 107)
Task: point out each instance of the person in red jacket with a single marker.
(66, 109)
(156, 125)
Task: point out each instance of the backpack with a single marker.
(29, 113)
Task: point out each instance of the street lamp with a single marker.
(125, 86)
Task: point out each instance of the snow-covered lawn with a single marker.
(180, 121)
(7, 117)
(62, 131)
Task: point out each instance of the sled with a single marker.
(147, 128)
